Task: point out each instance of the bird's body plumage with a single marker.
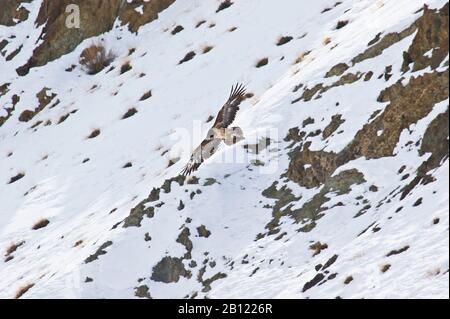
(219, 132)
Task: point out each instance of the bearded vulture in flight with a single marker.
(219, 131)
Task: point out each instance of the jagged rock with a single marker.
(4, 88)
(207, 282)
(312, 168)
(435, 141)
(12, 12)
(337, 70)
(96, 17)
(432, 34)
(387, 41)
(339, 184)
(203, 232)
(9, 110)
(183, 239)
(336, 121)
(210, 181)
(44, 99)
(169, 269)
(166, 187)
(13, 54)
(100, 251)
(317, 278)
(408, 104)
(142, 292)
(308, 94)
(284, 196)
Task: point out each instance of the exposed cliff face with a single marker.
(12, 12)
(432, 36)
(96, 17)
(407, 104)
(134, 18)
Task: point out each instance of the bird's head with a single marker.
(210, 133)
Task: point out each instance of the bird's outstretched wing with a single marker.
(204, 151)
(228, 111)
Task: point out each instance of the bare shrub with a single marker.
(95, 58)
(125, 67)
(283, 40)
(13, 247)
(94, 133)
(22, 290)
(189, 56)
(146, 95)
(16, 177)
(223, 5)
(341, 24)
(177, 29)
(132, 111)
(40, 224)
(207, 48)
(262, 62)
(200, 23)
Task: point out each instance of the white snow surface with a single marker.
(83, 201)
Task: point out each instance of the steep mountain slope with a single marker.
(340, 188)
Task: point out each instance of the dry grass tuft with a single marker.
(125, 67)
(95, 58)
(326, 40)
(78, 243)
(200, 23)
(262, 62)
(16, 178)
(146, 95)
(341, 24)
(189, 56)
(129, 113)
(207, 48)
(177, 29)
(22, 290)
(385, 268)
(13, 247)
(283, 40)
(40, 224)
(348, 280)
(317, 248)
(301, 57)
(94, 133)
(224, 4)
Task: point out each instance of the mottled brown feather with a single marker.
(227, 113)
(224, 118)
(204, 151)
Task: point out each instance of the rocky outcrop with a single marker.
(150, 9)
(432, 35)
(44, 98)
(12, 12)
(408, 103)
(96, 17)
(9, 110)
(336, 121)
(169, 269)
(435, 141)
(100, 251)
(312, 209)
(142, 209)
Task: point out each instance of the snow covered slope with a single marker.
(340, 188)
